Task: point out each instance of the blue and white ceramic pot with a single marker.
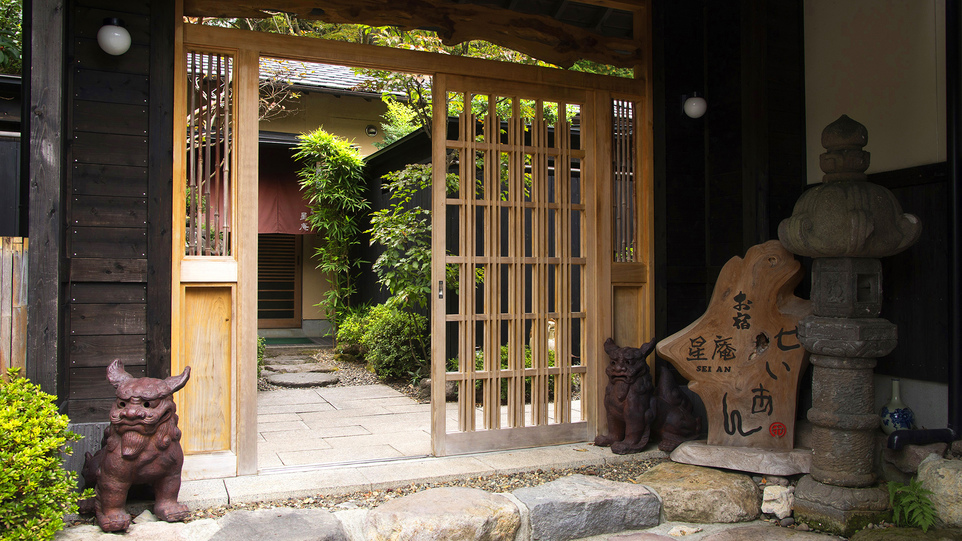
(896, 415)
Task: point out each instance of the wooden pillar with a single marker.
(45, 119)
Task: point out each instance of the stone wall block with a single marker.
(445, 513)
(581, 506)
(703, 495)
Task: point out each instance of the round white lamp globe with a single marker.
(113, 38)
(695, 106)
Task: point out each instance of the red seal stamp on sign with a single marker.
(777, 430)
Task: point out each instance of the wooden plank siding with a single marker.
(742, 166)
(116, 146)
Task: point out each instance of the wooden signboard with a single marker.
(742, 357)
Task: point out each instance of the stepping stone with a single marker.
(702, 495)
(582, 506)
(303, 379)
(288, 359)
(440, 514)
(302, 367)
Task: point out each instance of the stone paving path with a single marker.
(325, 425)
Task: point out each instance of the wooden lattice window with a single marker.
(623, 176)
(210, 154)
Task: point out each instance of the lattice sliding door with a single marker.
(510, 326)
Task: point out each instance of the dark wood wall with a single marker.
(915, 283)
(117, 201)
(724, 181)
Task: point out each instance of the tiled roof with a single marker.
(311, 75)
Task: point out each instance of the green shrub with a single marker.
(35, 490)
(332, 182)
(911, 505)
(261, 349)
(351, 331)
(395, 343)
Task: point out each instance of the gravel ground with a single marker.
(626, 472)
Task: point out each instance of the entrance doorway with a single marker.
(571, 275)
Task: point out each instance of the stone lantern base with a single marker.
(840, 510)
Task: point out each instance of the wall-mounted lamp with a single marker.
(113, 37)
(695, 106)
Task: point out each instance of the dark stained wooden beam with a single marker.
(159, 188)
(539, 36)
(46, 21)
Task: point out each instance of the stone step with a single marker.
(581, 506)
(303, 379)
(289, 359)
(302, 367)
(704, 495)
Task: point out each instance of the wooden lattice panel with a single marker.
(516, 249)
(210, 153)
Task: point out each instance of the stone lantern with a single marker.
(846, 224)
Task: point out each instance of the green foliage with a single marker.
(396, 343)
(911, 505)
(351, 331)
(332, 180)
(404, 268)
(400, 119)
(11, 36)
(35, 490)
(261, 349)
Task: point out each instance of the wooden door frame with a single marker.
(249, 47)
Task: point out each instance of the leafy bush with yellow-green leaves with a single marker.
(35, 490)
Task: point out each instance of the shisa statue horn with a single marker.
(116, 374)
(175, 383)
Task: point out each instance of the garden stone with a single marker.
(309, 379)
(443, 514)
(703, 495)
(944, 478)
(778, 501)
(909, 457)
(280, 524)
(581, 506)
(747, 459)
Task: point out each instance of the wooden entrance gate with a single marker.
(546, 234)
(523, 219)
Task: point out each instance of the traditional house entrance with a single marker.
(575, 251)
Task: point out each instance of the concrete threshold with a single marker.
(276, 484)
